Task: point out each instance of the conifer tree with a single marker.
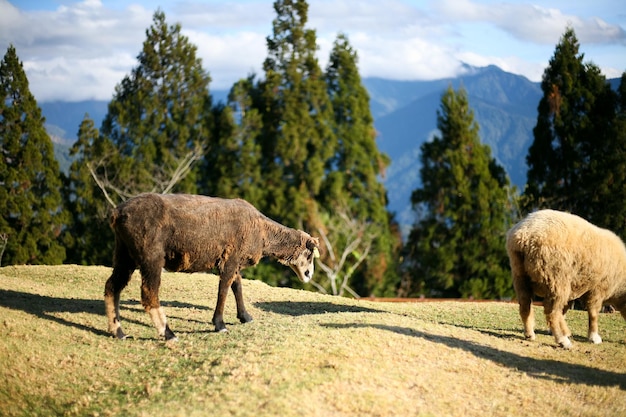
(152, 137)
(157, 116)
(89, 239)
(353, 181)
(456, 247)
(31, 213)
(232, 168)
(605, 175)
(296, 139)
(576, 161)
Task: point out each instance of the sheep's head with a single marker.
(303, 262)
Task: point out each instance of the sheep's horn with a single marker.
(316, 252)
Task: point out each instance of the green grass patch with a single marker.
(305, 354)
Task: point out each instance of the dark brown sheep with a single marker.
(192, 233)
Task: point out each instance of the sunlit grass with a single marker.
(305, 354)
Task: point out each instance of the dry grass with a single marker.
(304, 355)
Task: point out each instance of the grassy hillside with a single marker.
(304, 355)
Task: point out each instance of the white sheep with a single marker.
(193, 233)
(562, 257)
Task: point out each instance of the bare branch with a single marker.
(351, 291)
(100, 185)
(319, 287)
(329, 246)
(183, 168)
(327, 269)
(348, 241)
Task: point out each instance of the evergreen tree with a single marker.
(353, 182)
(576, 162)
(297, 139)
(157, 116)
(30, 200)
(232, 169)
(606, 177)
(89, 239)
(456, 247)
(155, 131)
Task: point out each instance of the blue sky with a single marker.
(76, 50)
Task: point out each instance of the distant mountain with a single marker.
(63, 118)
(405, 115)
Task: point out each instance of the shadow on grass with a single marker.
(304, 308)
(537, 368)
(503, 332)
(44, 307)
(166, 304)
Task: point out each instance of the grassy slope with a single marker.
(304, 355)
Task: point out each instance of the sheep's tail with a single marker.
(521, 280)
(113, 218)
(516, 259)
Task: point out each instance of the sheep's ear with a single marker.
(316, 252)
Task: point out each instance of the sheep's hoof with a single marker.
(120, 334)
(565, 343)
(530, 336)
(595, 338)
(245, 318)
(220, 327)
(169, 335)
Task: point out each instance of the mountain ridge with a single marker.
(504, 106)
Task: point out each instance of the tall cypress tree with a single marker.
(31, 214)
(297, 139)
(356, 168)
(155, 131)
(89, 239)
(157, 117)
(604, 174)
(575, 158)
(456, 247)
(232, 167)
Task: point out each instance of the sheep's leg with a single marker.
(123, 269)
(524, 296)
(218, 315)
(594, 305)
(150, 283)
(242, 314)
(228, 274)
(528, 316)
(564, 328)
(553, 309)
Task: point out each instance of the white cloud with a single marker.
(224, 16)
(529, 22)
(381, 17)
(82, 49)
(230, 57)
(404, 59)
(85, 28)
(77, 79)
(75, 52)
